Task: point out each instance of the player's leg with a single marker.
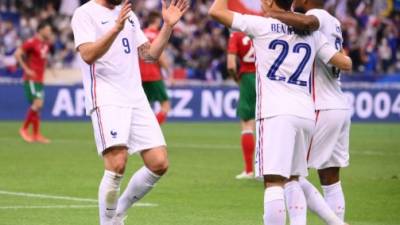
(274, 156)
(146, 138)
(162, 97)
(31, 113)
(248, 147)
(163, 113)
(246, 112)
(337, 129)
(115, 159)
(317, 204)
(111, 127)
(295, 198)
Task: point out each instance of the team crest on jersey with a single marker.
(130, 20)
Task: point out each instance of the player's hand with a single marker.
(123, 15)
(174, 12)
(29, 72)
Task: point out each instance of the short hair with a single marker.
(153, 16)
(44, 24)
(284, 4)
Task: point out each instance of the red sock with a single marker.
(36, 123)
(248, 146)
(161, 117)
(28, 118)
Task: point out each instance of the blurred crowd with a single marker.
(198, 46)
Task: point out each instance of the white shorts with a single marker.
(135, 128)
(282, 144)
(330, 142)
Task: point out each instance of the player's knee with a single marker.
(274, 180)
(160, 166)
(115, 159)
(329, 176)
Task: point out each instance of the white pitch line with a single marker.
(67, 198)
(16, 207)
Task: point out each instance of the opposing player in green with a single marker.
(240, 47)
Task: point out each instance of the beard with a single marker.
(114, 2)
(300, 10)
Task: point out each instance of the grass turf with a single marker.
(199, 188)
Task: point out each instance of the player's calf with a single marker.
(274, 200)
(332, 188)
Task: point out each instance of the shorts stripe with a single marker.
(103, 141)
(312, 139)
(260, 132)
(313, 81)
(32, 87)
(93, 85)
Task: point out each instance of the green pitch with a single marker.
(56, 184)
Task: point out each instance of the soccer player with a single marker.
(32, 56)
(152, 80)
(329, 150)
(240, 46)
(110, 41)
(285, 114)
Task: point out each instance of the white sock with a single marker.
(274, 206)
(317, 204)
(139, 185)
(296, 203)
(334, 196)
(108, 196)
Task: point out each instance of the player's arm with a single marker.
(219, 11)
(91, 52)
(296, 20)
(19, 55)
(171, 15)
(341, 61)
(231, 66)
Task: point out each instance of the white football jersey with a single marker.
(284, 62)
(114, 79)
(328, 93)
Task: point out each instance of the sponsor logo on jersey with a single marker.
(114, 133)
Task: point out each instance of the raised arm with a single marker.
(92, 51)
(219, 11)
(171, 15)
(342, 61)
(296, 20)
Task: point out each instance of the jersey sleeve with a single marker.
(83, 28)
(232, 44)
(28, 45)
(325, 51)
(140, 35)
(319, 14)
(248, 24)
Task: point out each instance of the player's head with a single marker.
(303, 6)
(154, 19)
(114, 2)
(268, 5)
(45, 30)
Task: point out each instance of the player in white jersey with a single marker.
(285, 110)
(110, 41)
(329, 150)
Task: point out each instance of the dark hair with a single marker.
(44, 24)
(153, 16)
(284, 4)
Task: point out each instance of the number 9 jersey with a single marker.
(114, 79)
(284, 63)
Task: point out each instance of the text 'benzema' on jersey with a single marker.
(328, 93)
(284, 61)
(114, 79)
